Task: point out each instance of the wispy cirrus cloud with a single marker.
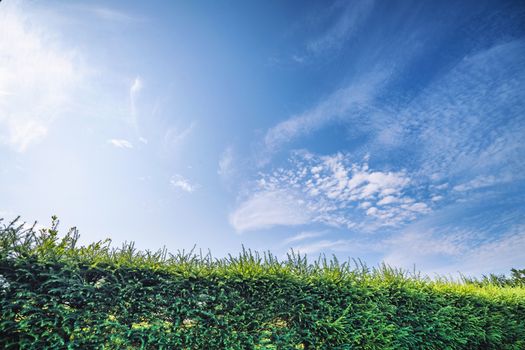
(411, 247)
(323, 245)
(106, 13)
(134, 91)
(436, 251)
(225, 166)
(305, 235)
(344, 19)
(174, 136)
(350, 104)
(179, 182)
(269, 208)
(111, 14)
(34, 66)
(466, 123)
(121, 143)
(478, 182)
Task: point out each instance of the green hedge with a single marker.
(55, 295)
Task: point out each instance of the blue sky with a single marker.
(382, 130)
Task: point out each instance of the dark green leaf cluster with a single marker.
(55, 294)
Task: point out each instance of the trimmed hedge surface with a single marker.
(55, 295)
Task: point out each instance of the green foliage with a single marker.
(55, 294)
(516, 278)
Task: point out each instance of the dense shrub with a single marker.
(55, 295)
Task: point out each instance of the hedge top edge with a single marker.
(18, 240)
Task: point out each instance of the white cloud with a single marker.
(350, 16)
(440, 252)
(134, 91)
(179, 182)
(469, 121)
(411, 247)
(478, 182)
(121, 143)
(37, 77)
(136, 86)
(338, 192)
(23, 133)
(365, 205)
(388, 200)
(269, 208)
(105, 13)
(225, 168)
(323, 245)
(109, 14)
(173, 137)
(372, 211)
(298, 59)
(442, 186)
(303, 236)
(347, 104)
(352, 246)
(498, 255)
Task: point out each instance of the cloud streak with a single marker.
(266, 209)
(121, 143)
(173, 136)
(349, 17)
(349, 104)
(226, 167)
(110, 14)
(134, 91)
(180, 183)
(305, 235)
